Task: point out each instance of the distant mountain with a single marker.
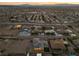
(42, 6)
(51, 5)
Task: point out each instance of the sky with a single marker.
(14, 2)
(42, 0)
(31, 3)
